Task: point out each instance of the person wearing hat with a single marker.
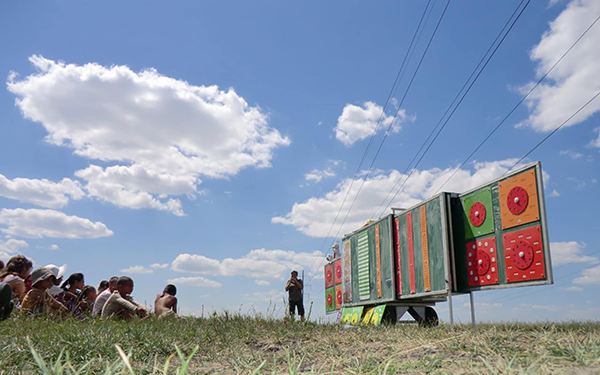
(37, 300)
(294, 287)
(58, 273)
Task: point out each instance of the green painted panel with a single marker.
(364, 263)
(484, 196)
(329, 296)
(364, 286)
(418, 251)
(404, 256)
(435, 239)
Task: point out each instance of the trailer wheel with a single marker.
(431, 318)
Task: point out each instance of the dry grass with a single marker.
(240, 344)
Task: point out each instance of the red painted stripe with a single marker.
(411, 254)
(398, 259)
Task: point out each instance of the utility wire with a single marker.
(395, 115)
(391, 93)
(517, 105)
(448, 109)
(458, 104)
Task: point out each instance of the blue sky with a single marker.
(211, 144)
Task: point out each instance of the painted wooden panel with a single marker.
(347, 270)
(364, 288)
(519, 200)
(411, 254)
(378, 262)
(425, 249)
(398, 256)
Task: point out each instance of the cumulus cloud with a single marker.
(258, 264)
(569, 252)
(43, 192)
(554, 194)
(137, 270)
(317, 175)
(262, 282)
(11, 246)
(162, 134)
(576, 79)
(159, 266)
(273, 295)
(35, 223)
(572, 289)
(195, 281)
(589, 276)
(357, 123)
(314, 216)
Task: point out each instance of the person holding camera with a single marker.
(294, 288)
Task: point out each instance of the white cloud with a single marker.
(317, 175)
(357, 123)
(569, 252)
(54, 247)
(43, 192)
(195, 281)
(159, 266)
(262, 282)
(258, 264)
(137, 270)
(596, 142)
(134, 186)
(554, 194)
(572, 154)
(163, 133)
(273, 295)
(315, 216)
(576, 79)
(34, 223)
(572, 289)
(590, 276)
(10, 247)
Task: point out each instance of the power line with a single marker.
(391, 93)
(449, 107)
(459, 102)
(517, 105)
(395, 115)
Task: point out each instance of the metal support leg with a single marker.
(450, 311)
(472, 310)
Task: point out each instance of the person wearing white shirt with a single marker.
(103, 297)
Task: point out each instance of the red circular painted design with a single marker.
(339, 296)
(484, 266)
(338, 272)
(517, 200)
(329, 275)
(477, 214)
(525, 261)
(329, 300)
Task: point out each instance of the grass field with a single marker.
(240, 344)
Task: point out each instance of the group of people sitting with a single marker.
(44, 292)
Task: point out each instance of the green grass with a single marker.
(254, 345)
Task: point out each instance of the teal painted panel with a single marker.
(405, 272)
(418, 250)
(435, 239)
(483, 196)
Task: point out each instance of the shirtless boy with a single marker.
(165, 304)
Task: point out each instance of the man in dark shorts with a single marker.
(294, 288)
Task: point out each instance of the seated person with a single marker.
(37, 300)
(102, 297)
(85, 301)
(121, 304)
(15, 272)
(102, 286)
(165, 304)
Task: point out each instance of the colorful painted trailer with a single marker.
(491, 237)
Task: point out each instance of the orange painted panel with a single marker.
(338, 297)
(519, 200)
(425, 248)
(378, 261)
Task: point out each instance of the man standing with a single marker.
(103, 297)
(294, 287)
